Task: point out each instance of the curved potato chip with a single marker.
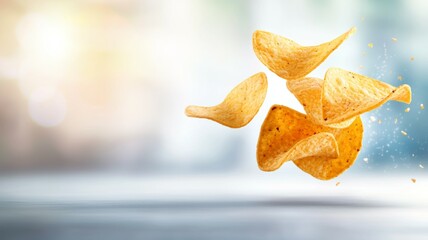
(346, 94)
(308, 93)
(343, 95)
(240, 105)
(321, 151)
(290, 60)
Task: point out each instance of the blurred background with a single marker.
(92, 99)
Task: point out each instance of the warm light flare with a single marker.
(44, 37)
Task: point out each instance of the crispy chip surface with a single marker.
(343, 95)
(321, 151)
(288, 59)
(240, 105)
(308, 92)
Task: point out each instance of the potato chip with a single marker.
(321, 151)
(347, 94)
(239, 107)
(308, 93)
(342, 95)
(288, 59)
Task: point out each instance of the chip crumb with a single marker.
(372, 118)
(366, 160)
(421, 166)
(370, 45)
(413, 180)
(412, 58)
(361, 67)
(399, 77)
(396, 120)
(422, 107)
(337, 184)
(404, 133)
(394, 39)
(407, 110)
(379, 121)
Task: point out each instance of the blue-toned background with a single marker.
(92, 99)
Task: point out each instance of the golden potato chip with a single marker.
(342, 95)
(346, 94)
(321, 151)
(288, 59)
(308, 93)
(239, 107)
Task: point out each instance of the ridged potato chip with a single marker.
(240, 105)
(288, 59)
(321, 151)
(343, 95)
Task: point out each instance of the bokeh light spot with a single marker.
(47, 106)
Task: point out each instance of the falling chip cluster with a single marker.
(326, 140)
